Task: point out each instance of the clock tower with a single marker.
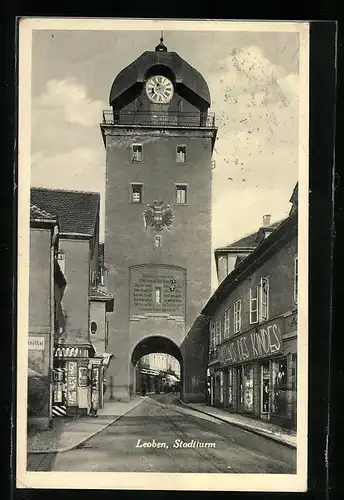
(159, 137)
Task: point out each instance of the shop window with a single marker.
(280, 393)
(181, 194)
(221, 387)
(181, 154)
(295, 279)
(237, 316)
(294, 372)
(239, 378)
(254, 293)
(230, 387)
(264, 299)
(136, 193)
(218, 331)
(136, 153)
(248, 387)
(226, 324)
(265, 388)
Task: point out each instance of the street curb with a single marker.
(75, 446)
(243, 426)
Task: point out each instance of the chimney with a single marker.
(266, 220)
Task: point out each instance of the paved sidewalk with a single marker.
(68, 433)
(260, 427)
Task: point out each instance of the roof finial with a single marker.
(161, 47)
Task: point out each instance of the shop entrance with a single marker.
(265, 390)
(240, 392)
(217, 389)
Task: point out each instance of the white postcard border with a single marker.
(157, 481)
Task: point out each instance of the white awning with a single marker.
(106, 357)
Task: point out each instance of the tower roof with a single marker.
(189, 82)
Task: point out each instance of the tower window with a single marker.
(181, 195)
(136, 193)
(157, 241)
(136, 153)
(181, 154)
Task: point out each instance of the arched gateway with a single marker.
(156, 343)
(159, 138)
(151, 345)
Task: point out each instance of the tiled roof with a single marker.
(248, 241)
(37, 213)
(77, 210)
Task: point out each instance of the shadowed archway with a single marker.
(156, 343)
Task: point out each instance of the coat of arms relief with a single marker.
(158, 216)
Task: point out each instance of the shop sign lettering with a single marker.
(259, 343)
(36, 343)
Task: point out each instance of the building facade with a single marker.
(46, 288)
(159, 138)
(161, 362)
(80, 340)
(252, 364)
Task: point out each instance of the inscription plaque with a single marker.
(157, 289)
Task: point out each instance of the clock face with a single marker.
(159, 89)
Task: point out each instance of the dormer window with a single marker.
(136, 153)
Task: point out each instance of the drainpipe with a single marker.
(52, 322)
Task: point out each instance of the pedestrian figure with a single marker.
(93, 404)
(94, 409)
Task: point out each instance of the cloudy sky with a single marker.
(253, 80)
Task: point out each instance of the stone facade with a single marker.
(171, 263)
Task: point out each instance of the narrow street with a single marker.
(150, 439)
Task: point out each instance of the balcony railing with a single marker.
(159, 118)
